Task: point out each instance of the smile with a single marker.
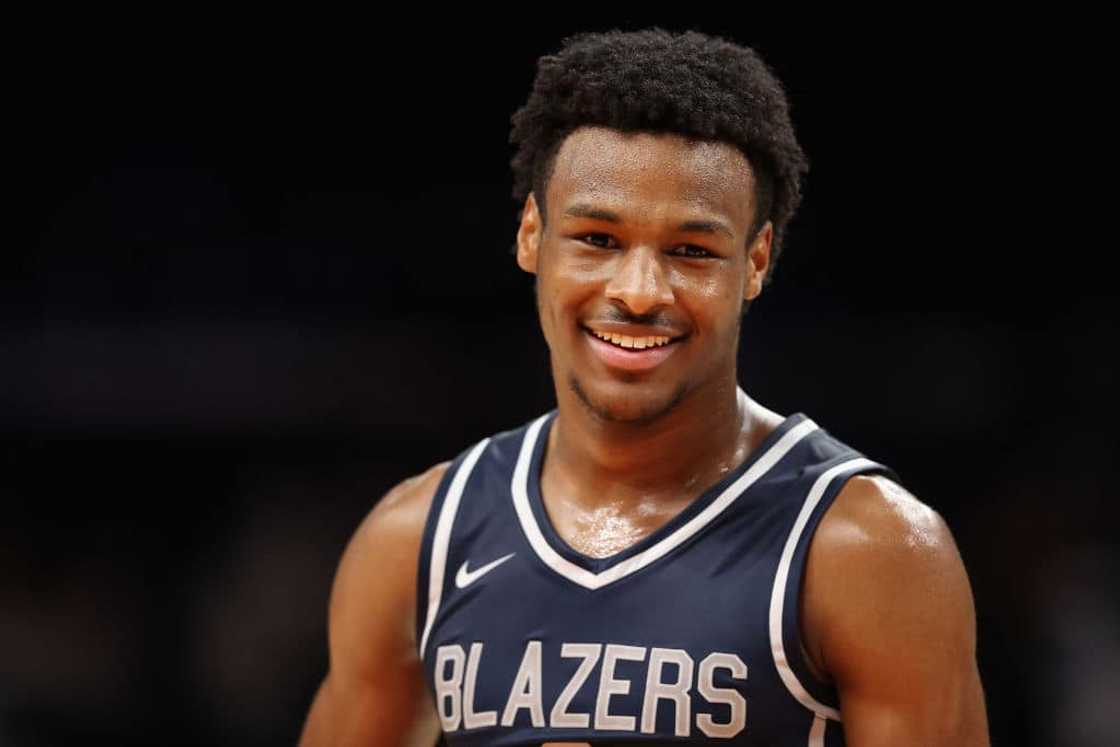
(629, 353)
(631, 343)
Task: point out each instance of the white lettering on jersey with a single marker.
(456, 675)
(472, 720)
(448, 690)
(714, 694)
(560, 718)
(526, 690)
(674, 691)
(609, 686)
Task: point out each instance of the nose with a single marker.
(640, 281)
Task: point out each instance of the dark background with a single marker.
(259, 274)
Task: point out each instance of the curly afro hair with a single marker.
(688, 84)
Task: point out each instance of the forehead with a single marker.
(601, 165)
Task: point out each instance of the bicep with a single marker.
(371, 713)
(911, 676)
(898, 627)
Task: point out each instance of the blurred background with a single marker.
(261, 272)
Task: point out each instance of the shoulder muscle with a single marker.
(888, 614)
(375, 588)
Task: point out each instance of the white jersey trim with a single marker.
(590, 580)
(781, 579)
(816, 732)
(438, 566)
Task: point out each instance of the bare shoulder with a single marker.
(884, 576)
(395, 524)
(374, 691)
(376, 581)
(887, 614)
(879, 545)
(391, 533)
(410, 499)
(876, 516)
(403, 511)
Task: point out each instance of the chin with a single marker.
(638, 406)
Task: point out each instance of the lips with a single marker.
(631, 352)
(631, 342)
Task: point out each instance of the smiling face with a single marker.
(642, 267)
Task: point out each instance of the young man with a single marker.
(661, 558)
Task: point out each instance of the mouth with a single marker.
(627, 342)
(631, 353)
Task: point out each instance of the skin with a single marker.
(374, 692)
(655, 235)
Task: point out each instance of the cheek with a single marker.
(553, 291)
(579, 273)
(717, 297)
(570, 282)
(544, 309)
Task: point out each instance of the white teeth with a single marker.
(632, 343)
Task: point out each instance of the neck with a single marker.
(690, 446)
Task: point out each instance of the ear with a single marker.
(758, 261)
(529, 236)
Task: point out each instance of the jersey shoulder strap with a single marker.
(494, 456)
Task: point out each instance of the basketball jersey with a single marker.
(690, 636)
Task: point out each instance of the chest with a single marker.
(688, 635)
(606, 520)
(680, 648)
(608, 529)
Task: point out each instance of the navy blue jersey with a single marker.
(689, 636)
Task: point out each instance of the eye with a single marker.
(692, 251)
(601, 240)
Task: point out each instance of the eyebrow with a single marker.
(587, 211)
(705, 226)
(689, 226)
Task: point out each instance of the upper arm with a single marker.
(888, 614)
(374, 693)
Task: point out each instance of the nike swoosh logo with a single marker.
(465, 578)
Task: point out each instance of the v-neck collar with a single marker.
(595, 573)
